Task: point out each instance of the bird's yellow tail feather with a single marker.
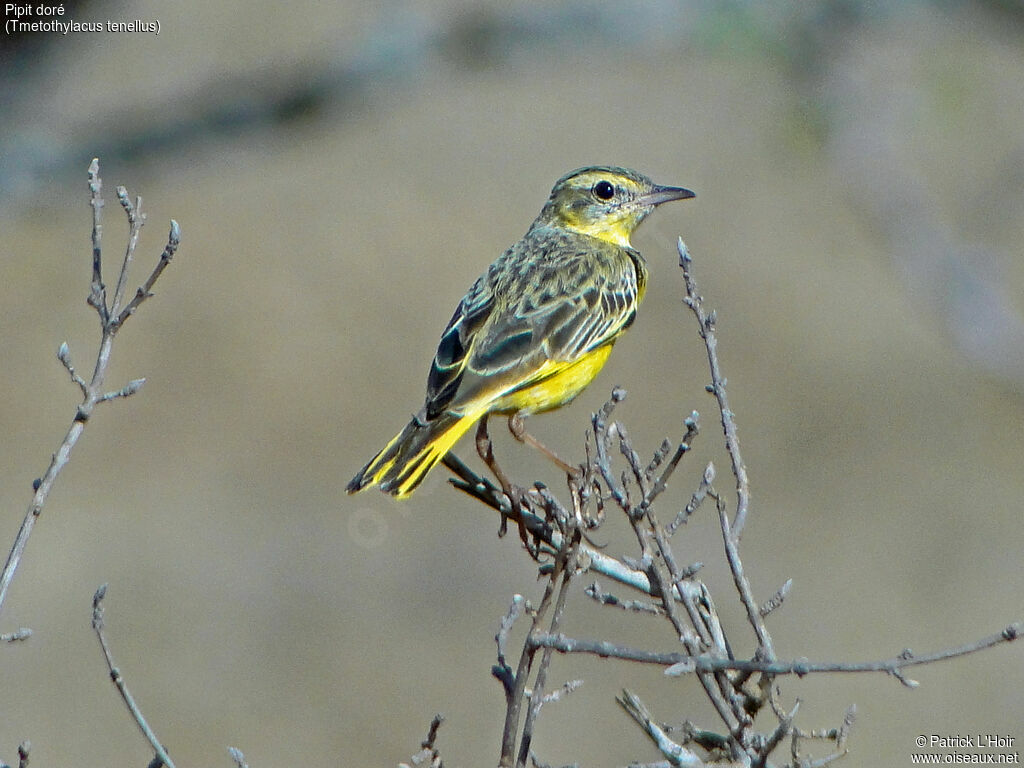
(403, 463)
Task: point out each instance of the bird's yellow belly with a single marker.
(558, 384)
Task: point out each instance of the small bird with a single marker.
(534, 330)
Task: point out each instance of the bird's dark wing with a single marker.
(526, 312)
(457, 340)
(560, 325)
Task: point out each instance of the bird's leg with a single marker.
(485, 449)
(517, 426)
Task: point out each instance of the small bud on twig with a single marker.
(127, 390)
(238, 757)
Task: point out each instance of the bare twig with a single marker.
(136, 220)
(565, 571)
(146, 290)
(737, 688)
(597, 594)
(802, 762)
(754, 615)
(93, 391)
(429, 755)
(569, 686)
(677, 754)
(695, 501)
(655, 548)
(799, 667)
(64, 355)
(435, 725)
(502, 671)
(98, 291)
(692, 424)
(119, 683)
(844, 729)
(773, 602)
(782, 730)
(558, 581)
(483, 490)
(706, 322)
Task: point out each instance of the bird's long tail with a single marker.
(402, 464)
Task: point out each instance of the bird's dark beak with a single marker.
(660, 195)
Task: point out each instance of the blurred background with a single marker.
(341, 173)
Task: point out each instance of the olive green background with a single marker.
(341, 173)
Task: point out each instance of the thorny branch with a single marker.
(112, 316)
(737, 688)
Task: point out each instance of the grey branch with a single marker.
(121, 685)
(98, 291)
(775, 600)
(706, 322)
(486, 492)
(111, 320)
(844, 729)
(737, 688)
(64, 355)
(597, 594)
(754, 615)
(677, 754)
(127, 390)
(569, 686)
(502, 671)
(696, 500)
(136, 220)
(16, 636)
(705, 663)
(428, 755)
(146, 290)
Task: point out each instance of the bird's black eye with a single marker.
(604, 190)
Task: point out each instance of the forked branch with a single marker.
(112, 316)
(737, 688)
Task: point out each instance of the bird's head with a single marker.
(605, 202)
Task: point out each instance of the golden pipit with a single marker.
(534, 330)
